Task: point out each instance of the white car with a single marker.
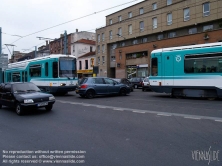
(145, 84)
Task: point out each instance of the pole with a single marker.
(0, 40)
(65, 41)
(35, 51)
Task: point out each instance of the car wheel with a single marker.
(90, 94)
(123, 92)
(48, 107)
(143, 89)
(82, 95)
(131, 89)
(19, 109)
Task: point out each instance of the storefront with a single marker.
(85, 73)
(137, 71)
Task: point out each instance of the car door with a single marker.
(99, 86)
(112, 86)
(7, 96)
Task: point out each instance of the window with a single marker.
(86, 64)
(110, 22)
(154, 23)
(203, 63)
(35, 70)
(109, 81)
(169, 19)
(141, 10)
(154, 67)
(120, 32)
(98, 60)
(103, 59)
(160, 37)
(98, 37)
(186, 14)
(154, 6)
(110, 35)
(55, 69)
(120, 56)
(16, 77)
(98, 48)
(130, 14)
(123, 44)
(26, 76)
(171, 34)
(97, 81)
(46, 69)
(23, 76)
(135, 41)
(80, 65)
(207, 27)
(130, 29)
(169, 2)
(144, 40)
(192, 30)
(206, 9)
(113, 58)
(120, 18)
(91, 48)
(103, 37)
(103, 48)
(141, 26)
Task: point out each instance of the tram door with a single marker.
(168, 70)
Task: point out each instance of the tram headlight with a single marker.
(28, 101)
(62, 84)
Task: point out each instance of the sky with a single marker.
(23, 17)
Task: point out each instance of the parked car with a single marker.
(24, 96)
(146, 84)
(124, 81)
(137, 82)
(89, 87)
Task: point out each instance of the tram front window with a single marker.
(67, 67)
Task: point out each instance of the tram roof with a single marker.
(187, 47)
(23, 63)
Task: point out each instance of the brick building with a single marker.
(125, 43)
(16, 56)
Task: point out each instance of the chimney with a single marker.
(47, 42)
(76, 30)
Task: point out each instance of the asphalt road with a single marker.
(141, 129)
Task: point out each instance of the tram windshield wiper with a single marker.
(67, 76)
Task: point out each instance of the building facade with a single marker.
(16, 56)
(125, 43)
(85, 64)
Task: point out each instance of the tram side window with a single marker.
(210, 64)
(9, 77)
(55, 69)
(35, 70)
(16, 77)
(46, 69)
(154, 67)
(26, 76)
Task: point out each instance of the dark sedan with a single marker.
(24, 96)
(91, 86)
(137, 82)
(124, 81)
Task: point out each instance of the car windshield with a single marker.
(117, 80)
(26, 87)
(82, 81)
(135, 79)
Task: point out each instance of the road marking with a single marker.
(117, 109)
(218, 120)
(164, 114)
(191, 118)
(139, 112)
(197, 117)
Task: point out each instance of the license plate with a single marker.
(77, 90)
(42, 104)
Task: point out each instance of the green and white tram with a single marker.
(53, 74)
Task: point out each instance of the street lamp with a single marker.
(120, 36)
